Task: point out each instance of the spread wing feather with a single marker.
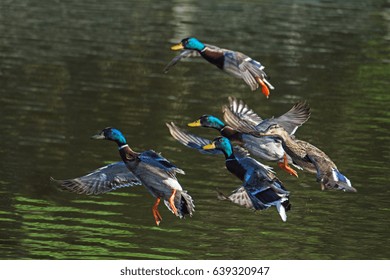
(196, 142)
(155, 159)
(190, 140)
(291, 120)
(176, 59)
(240, 109)
(102, 180)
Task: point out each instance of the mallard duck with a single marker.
(148, 168)
(266, 148)
(303, 154)
(232, 62)
(260, 190)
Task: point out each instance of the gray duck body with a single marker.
(158, 176)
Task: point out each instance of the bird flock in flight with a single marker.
(244, 136)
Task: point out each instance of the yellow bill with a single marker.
(177, 47)
(195, 124)
(210, 146)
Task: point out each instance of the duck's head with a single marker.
(208, 121)
(112, 134)
(220, 143)
(190, 43)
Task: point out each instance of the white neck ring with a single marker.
(123, 146)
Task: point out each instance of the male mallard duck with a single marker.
(148, 168)
(303, 154)
(266, 148)
(261, 189)
(232, 62)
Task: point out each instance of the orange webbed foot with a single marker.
(172, 202)
(156, 214)
(264, 88)
(284, 165)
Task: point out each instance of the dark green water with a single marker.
(70, 68)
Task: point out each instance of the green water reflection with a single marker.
(69, 70)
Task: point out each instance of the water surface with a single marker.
(69, 69)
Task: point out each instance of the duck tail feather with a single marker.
(187, 206)
(338, 181)
(281, 211)
(268, 84)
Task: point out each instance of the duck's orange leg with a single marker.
(284, 165)
(264, 88)
(172, 202)
(156, 214)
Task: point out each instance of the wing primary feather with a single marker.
(190, 140)
(102, 180)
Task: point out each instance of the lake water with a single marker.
(70, 68)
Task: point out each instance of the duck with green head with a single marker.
(266, 148)
(148, 168)
(232, 62)
(261, 189)
(302, 153)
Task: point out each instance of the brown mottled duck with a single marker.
(302, 153)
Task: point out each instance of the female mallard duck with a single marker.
(266, 148)
(261, 189)
(303, 154)
(232, 62)
(148, 168)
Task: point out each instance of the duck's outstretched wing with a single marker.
(196, 142)
(189, 53)
(239, 196)
(291, 120)
(241, 110)
(237, 123)
(176, 59)
(258, 198)
(242, 116)
(155, 159)
(102, 180)
(248, 78)
(250, 70)
(190, 140)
